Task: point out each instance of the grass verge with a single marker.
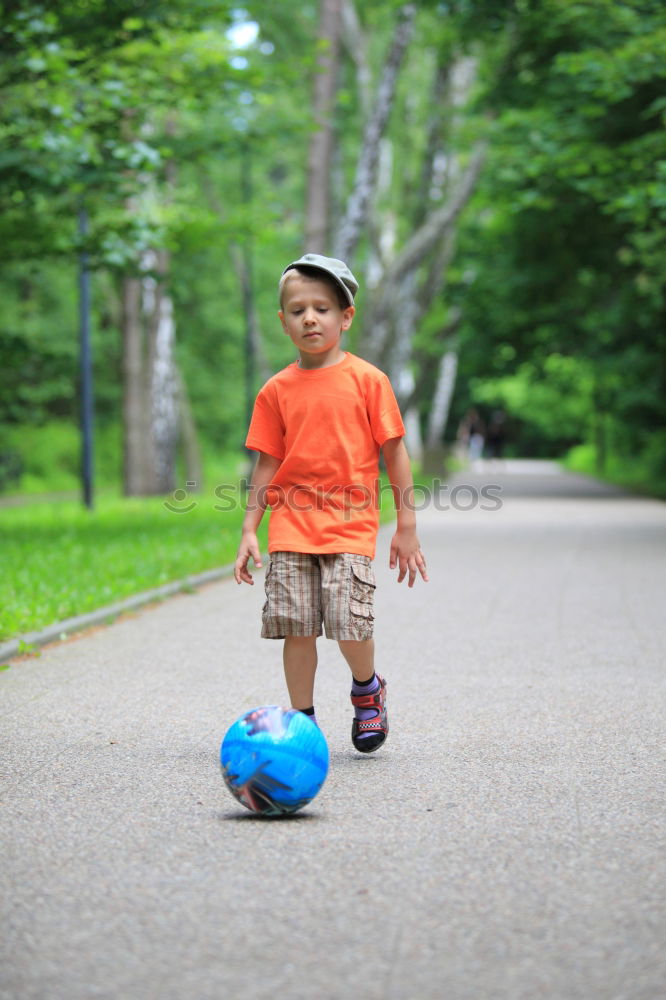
(60, 560)
(634, 474)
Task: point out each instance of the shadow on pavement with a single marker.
(250, 817)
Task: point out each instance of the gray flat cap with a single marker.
(337, 269)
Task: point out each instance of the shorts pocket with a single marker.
(363, 586)
(267, 578)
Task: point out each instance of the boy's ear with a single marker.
(281, 315)
(347, 317)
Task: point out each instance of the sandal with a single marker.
(369, 734)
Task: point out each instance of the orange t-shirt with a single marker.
(326, 426)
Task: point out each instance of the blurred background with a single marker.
(493, 172)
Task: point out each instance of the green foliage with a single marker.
(644, 473)
(75, 121)
(79, 130)
(565, 261)
(37, 361)
(171, 134)
(553, 400)
(60, 560)
(49, 456)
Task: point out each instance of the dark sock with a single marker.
(365, 687)
(310, 712)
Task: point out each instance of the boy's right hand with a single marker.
(249, 547)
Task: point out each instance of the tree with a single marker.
(75, 80)
(358, 202)
(408, 278)
(318, 185)
(568, 249)
(496, 170)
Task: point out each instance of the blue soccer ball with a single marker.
(274, 760)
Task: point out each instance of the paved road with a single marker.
(507, 844)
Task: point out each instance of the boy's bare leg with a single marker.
(300, 664)
(360, 655)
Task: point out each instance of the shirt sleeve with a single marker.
(266, 431)
(383, 410)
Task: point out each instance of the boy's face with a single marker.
(312, 317)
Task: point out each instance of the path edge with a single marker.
(64, 629)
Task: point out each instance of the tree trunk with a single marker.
(150, 397)
(387, 300)
(317, 209)
(438, 222)
(434, 452)
(242, 266)
(354, 42)
(189, 438)
(151, 392)
(164, 418)
(413, 435)
(366, 169)
(441, 400)
(135, 458)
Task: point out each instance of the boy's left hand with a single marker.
(406, 554)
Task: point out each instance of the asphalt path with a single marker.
(507, 842)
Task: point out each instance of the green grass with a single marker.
(49, 457)
(636, 474)
(59, 559)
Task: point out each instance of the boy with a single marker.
(318, 426)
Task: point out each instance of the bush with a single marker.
(643, 472)
(47, 458)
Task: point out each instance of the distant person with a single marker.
(496, 435)
(472, 434)
(319, 426)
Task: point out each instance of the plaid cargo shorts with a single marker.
(304, 590)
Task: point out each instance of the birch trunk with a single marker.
(441, 400)
(434, 451)
(189, 437)
(366, 170)
(431, 235)
(163, 396)
(317, 209)
(241, 262)
(150, 381)
(150, 377)
(135, 457)
(354, 42)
